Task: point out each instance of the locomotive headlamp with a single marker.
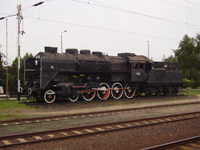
(36, 62)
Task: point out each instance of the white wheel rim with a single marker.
(105, 92)
(48, 94)
(127, 87)
(89, 99)
(74, 98)
(117, 90)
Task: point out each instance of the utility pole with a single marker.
(19, 18)
(7, 59)
(148, 48)
(61, 41)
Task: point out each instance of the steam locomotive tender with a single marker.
(52, 76)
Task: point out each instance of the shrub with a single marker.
(191, 83)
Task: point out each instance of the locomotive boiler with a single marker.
(52, 76)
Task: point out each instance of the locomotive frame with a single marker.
(51, 75)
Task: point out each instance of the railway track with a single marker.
(189, 143)
(22, 121)
(28, 138)
(142, 97)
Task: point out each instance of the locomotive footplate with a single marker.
(98, 89)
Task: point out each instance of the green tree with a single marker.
(188, 57)
(2, 71)
(170, 59)
(13, 73)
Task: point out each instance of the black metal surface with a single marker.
(49, 69)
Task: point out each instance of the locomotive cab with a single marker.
(140, 66)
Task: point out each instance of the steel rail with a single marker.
(102, 128)
(173, 144)
(90, 113)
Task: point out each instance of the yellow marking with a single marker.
(154, 121)
(5, 124)
(109, 127)
(183, 147)
(50, 135)
(21, 140)
(128, 125)
(77, 132)
(137, 123)
(119, 126)
(160, 120)
(88, 130)
(63, 133)
(168, 119)
(37, 137)
(195, 145)
(6, 142)
(100, 129)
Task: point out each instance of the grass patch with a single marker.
(190, 92)
(11, 109)
(10, 116)
(9, 104)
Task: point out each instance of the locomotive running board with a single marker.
(97, 89)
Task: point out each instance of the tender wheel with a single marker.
(88, 96)
(73, 98)
(49, 96)
(128, 91)
(148, 92)
(117, 90)
(138, 92)
(104, 91)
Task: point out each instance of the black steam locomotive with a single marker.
(51, 76)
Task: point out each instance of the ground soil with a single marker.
(126, 139)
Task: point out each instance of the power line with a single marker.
(100, 28)
(132, 12)
(179, 5)
(192, 3)
(15, 14)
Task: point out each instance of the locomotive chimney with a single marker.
(48, 49)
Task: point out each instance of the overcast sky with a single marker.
(110, 26)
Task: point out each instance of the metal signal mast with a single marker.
(19, 18)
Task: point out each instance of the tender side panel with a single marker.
(165, 77)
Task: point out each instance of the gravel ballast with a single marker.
(126, 139)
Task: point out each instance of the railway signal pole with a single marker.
(7, 59)
(19, 18)
(61, 41)
(148, 48)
